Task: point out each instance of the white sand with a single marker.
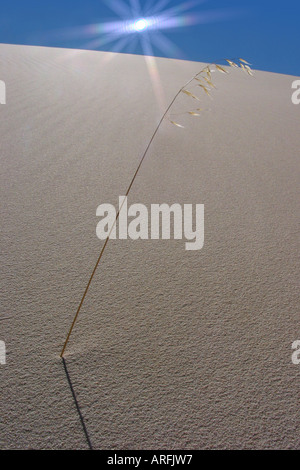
(173, 349)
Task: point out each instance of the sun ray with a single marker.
(139, 27)
(158, 7)
(119, 7)
(166, 46)
(132, 46)
(102, 41)
(153, 72)
(121, 44)
(182, 7)
(136, 7)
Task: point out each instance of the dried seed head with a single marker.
(190, 94)
(245, 62)
(176, 124)
(231, 63)
(221, 69)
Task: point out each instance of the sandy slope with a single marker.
(173, 349)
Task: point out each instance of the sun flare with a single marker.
(140, 25)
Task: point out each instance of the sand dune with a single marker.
(173, 349)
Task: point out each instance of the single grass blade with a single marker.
(206, 70)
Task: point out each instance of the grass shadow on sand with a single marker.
(77, 405)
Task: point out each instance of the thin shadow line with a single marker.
(77, 405)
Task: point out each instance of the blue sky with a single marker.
(265, 32)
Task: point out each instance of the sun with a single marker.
(140, 25)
